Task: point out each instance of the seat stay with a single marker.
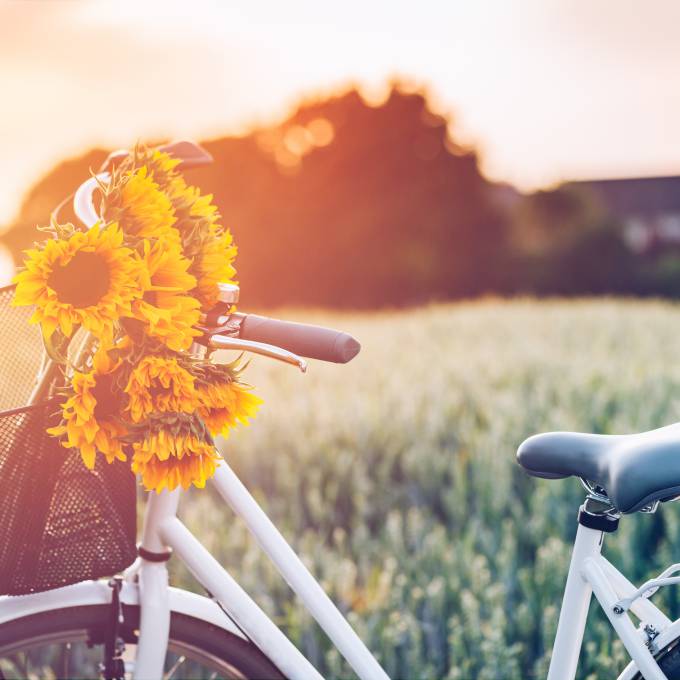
(648, 588)
(596, 578)
(644, 609)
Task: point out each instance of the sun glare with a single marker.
(6, 266)
(247, 67)
(289, 145)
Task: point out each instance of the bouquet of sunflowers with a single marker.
(136, 285)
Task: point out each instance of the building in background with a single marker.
(648, 209)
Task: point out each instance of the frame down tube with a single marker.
(297, 575)
(240, 607)
(163, 530)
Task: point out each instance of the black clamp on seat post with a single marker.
(599, 522)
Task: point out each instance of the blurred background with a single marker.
(457, 150)
(382, 166)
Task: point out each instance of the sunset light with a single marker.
(370, 308)
(537, 87)
(6, 266)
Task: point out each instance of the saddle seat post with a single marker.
(596, 517)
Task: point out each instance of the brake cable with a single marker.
(113, 667)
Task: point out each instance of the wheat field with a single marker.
(395, 478)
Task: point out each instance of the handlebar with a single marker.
(286, 341)
(313, 342)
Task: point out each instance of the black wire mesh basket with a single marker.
(60, 523)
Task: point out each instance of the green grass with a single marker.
(395, 478)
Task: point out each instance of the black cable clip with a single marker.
(150, 556)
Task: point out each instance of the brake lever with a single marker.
(270, 351)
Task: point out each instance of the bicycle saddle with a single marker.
(635, 469)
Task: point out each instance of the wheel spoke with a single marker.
(175, 666)
(67, 660)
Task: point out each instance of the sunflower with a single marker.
(159, 384)
(161, 165)
(205, 242)
(213, 265)
(89, 414)
(87, 278)
(174, 451)
(223, 406)
(208, 245)
(186, 199)
(148, 272)
(195, 205)
(166, 310)
(163, 168)
(143, 210)
(224, 402)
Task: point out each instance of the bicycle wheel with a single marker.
(69, 643)
(668, 659)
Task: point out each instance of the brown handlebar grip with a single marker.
(313, 342)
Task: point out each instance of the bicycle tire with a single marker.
(668, 659)
(226, 653)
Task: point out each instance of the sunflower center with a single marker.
(82, 281)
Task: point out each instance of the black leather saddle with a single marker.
(635, 469)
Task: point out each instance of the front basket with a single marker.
(60, 523)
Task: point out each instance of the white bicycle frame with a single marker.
(163, 530)
(590, 573)
(146, 582)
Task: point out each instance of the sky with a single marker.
(547, 90)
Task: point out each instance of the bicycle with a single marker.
(171, 632)
(137, 625)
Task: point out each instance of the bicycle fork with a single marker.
(152, 573)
